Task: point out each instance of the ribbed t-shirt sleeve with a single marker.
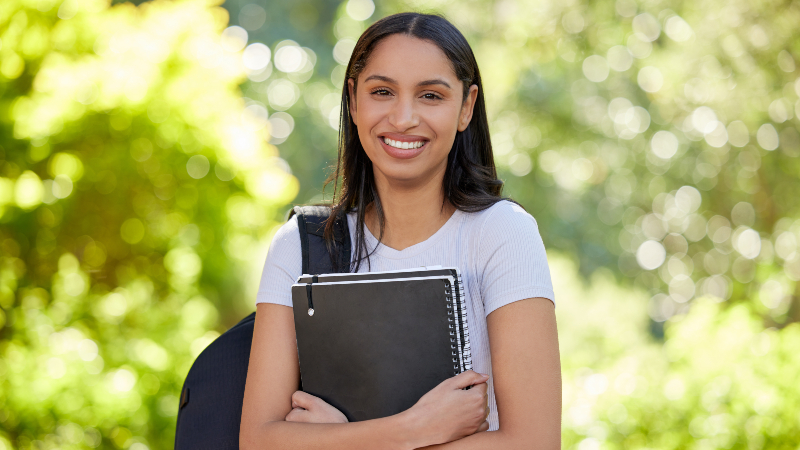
(283, 265)
(513, 258)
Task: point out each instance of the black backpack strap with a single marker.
(317, 256)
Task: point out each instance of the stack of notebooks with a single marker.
(371, 344)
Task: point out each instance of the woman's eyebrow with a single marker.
(434, 81)
(421, 83)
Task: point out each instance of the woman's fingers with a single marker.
(303, 400)
(296, 415)
(484, 426)
(311, 409)
(468, 378)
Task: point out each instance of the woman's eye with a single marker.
(432, 96)
(377, 91)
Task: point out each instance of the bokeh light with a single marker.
(256, 56)
(252, 16)
(360, 9)
(289, 57)
(234, 39)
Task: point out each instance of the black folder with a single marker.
(372, 344)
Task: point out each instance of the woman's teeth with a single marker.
(403, 145)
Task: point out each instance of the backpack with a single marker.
(210, 408)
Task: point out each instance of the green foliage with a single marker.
(138, 193)
(655, 142)
(719, 380)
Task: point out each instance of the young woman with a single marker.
(416, 169)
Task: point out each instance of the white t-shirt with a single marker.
(498, 251)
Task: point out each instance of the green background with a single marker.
(148, 153)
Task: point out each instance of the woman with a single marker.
(416, 168)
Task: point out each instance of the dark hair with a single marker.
(470, 181)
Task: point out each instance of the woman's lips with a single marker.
(402, 153)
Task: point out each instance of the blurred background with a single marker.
(149, 151)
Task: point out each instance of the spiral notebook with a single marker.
(371, 344)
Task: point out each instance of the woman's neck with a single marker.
(411, 214)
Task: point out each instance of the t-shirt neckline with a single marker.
(388, 252)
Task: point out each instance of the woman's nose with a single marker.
(404, 115)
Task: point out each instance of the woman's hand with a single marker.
(310, 409)
(448, 412)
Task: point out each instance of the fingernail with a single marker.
(485, 375)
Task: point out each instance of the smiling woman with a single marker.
(416, 170)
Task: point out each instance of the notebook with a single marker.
(371, 344)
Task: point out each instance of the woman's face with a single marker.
(407, 108)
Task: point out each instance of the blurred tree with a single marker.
(719, 381)
(137, 193)
(300, 78)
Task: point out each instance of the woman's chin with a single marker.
(403, 173)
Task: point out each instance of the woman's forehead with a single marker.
(408, 59)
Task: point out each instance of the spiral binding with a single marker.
(466, 345)
(460, 347)
(452, 326)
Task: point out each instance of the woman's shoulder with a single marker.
(282, 266)
(504, 213)
(287, 237)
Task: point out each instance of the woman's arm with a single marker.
(527, 379)
(273, 376)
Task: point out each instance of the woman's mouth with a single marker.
(404, 145)
(401, 149)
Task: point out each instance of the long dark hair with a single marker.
(470, 180)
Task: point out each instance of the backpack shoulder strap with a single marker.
(318, 256)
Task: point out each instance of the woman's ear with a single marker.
(352, 100)
(466, 108)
